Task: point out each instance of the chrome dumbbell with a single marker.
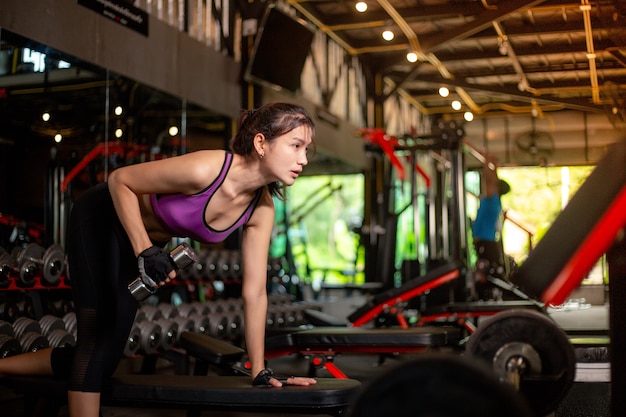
(34, 260)
(182, 255)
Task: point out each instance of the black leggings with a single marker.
(101, 263)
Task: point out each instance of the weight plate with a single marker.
(53, 264)
(133, 343)
(438, 385)
(30, 252)
(9, 346)
(7, 267)
(28, 259)
(545, 386)
(506, 359)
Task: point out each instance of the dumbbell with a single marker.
(133, 343)
(182, 255)
(8, 266)
(33, 259)
(9, 346)
(169, 332)
(150, 335)
(53, 328)
(28, 332)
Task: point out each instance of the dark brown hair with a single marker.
(272, 120)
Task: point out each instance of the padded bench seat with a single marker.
(196, 393)
(356, 339)
(477, 307)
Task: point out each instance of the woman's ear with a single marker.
(259, 144)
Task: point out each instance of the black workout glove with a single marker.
(155, 265)
(263, 378)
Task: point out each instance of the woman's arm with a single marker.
(187, 174)
(254, 249)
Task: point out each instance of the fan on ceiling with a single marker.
(533, 147)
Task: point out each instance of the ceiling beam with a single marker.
(482, 21)
(573, 104)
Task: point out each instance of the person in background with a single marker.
(486, 231)
(118, 230)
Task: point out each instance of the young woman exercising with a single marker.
(121, 227)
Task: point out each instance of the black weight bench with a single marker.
(209, 352)
(194, 394)
(322, 344)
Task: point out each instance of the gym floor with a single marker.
(585, 399)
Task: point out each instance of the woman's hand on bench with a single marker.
(268, 378)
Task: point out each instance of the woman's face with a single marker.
(287, 154)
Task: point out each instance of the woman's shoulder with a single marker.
(213, 154)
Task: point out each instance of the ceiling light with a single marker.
(468, 116)
(444, 92)
(503, 45)
(411, 57)
(58, 137)
(388, 35)
(456, 105)
(522, 85)
(360, 6)
(45, 116)
(118, 133)
(118, 110)
(173, 130)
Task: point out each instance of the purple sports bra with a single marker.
(183, 215)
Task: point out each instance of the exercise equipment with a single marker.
(150, 337)
(8, 267)
(133, 342)
(438, 385)
(580, 234)
(528, 350)
(321, 345)
(34, 260)
(467, 314)
(209, 352)
(395, 297)
(169, 332)
(196, 394)
(9, 346)
(182, 255)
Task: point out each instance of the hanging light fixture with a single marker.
(360, 6)
(411, 57)
(388, 35)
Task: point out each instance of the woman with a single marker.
(119, 229)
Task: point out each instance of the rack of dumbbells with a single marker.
(31, 319)
(28, 320)
(157, 329)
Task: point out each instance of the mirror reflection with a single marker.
(65, 124)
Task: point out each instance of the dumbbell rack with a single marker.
(37, 293)
(14, 284)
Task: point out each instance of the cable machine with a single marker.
(415, 205)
